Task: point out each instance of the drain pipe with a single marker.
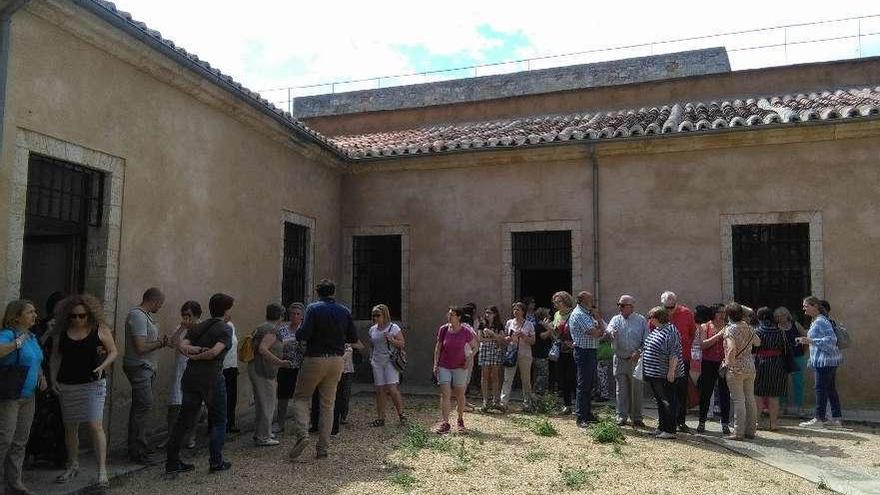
(5, 27)
(594, 162)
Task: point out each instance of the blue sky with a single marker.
(274, 44)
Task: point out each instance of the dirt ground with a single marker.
(499, 454)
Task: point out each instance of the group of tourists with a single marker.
(733, 356)
(728, 354)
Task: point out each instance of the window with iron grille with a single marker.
(62, 192)
(295, 264)
(541, 264)
(771, 264)
(376, 274)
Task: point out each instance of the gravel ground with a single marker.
(500, 454)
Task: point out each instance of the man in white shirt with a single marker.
(628, 330)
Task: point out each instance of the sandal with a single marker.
(69, 474)
(377, 423)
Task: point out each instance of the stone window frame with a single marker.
(288, 216)
(817, 264)
(507, 230)
(106, 247)
(347, 262)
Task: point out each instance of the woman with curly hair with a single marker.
(82, 349)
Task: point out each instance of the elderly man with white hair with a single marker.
(683, 318)
(628, 330)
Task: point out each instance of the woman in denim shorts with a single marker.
(455, 345)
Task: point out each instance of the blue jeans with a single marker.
(215, 400)
(826, 390)
(585, 363)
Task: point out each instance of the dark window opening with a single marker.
(541, 264)
(294, 266)
(771, 265)
(376, 274)
(64, 204)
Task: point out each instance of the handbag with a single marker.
(639, 370)
(788, 362)
(511, 355)
(555, 351)
(12, 378)
(397, 355)
(722, 371)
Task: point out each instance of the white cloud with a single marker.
(267, 44)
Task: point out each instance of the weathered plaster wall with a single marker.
(204, 189)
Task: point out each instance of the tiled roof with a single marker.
(109, 11)
(674, 118)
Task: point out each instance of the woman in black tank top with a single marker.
(79, 358)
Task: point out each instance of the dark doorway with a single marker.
(376, 274)
(63, 202)
(771, 265)
(295, 265)
(541, 264)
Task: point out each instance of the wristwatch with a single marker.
(18, 343)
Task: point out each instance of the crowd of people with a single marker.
(727, 355)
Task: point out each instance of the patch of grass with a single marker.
(535, 455)
(415, 439)
(607, 431)
(822, 485)
(461, 458)
(548, 404)
(677, 468)
(543, 428)
(616, 451)
(575, 479)
(404, 480)
(440, 444)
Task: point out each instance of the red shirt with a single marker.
(683, 319)
(714, 353)
(452, 346)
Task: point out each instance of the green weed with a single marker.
(543, 428)
(535, 455)
(607, 431)
(576, 479)
(403, 480)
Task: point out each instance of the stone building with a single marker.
(127, 162)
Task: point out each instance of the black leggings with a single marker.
(566, 376)
(708, 377)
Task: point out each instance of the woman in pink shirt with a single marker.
(455, 345)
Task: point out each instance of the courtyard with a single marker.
(513, 453)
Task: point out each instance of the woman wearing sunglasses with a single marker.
(82, 349)
(385, 334)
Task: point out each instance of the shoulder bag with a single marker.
(397, 354)
(12, 377)
(722, 371)
(511, 355)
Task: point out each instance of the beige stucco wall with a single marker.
(204, 189)
(659, 225)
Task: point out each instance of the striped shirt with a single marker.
(660, 345)
(824, 352)
(580, 323)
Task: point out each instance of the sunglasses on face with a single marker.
(621, 305)
(78, 316)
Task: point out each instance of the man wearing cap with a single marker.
(628, 330)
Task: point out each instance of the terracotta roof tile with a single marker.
(677, 118)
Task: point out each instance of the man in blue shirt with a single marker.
(585, 333)
(326, 328)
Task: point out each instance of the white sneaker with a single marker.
(267, 443)
(834, 423)
(663, 435)
(813, 423)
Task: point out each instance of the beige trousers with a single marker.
(524, 365)
(16, 417)
(322, 374)
(742, 395)
(265, 400)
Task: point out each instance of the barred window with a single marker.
(376, 274)
(294, 266)
(771, 264)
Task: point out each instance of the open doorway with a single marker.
(541, 264)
